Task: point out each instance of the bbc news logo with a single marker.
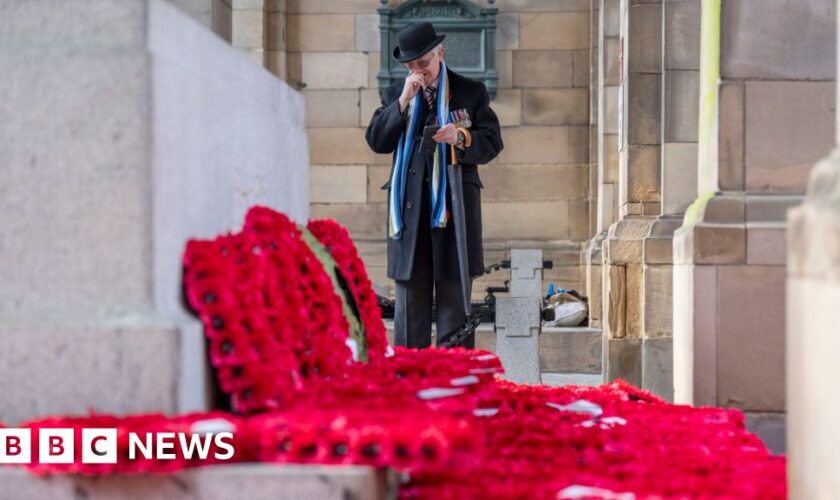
(99, 446)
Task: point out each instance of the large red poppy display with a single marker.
(297, 342)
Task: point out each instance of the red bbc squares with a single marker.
(58, 446)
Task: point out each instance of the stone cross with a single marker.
(518, 318)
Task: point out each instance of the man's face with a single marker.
(428, 65)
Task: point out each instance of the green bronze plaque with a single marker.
(470, 38)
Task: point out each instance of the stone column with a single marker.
(813, 342)
(113, 155)
(639, 196)
(678, 174)
(766, 114)
(604, 117)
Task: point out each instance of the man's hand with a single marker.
(413, 84)
(447, 133)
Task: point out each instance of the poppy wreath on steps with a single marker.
(270, 311)
(336, 240)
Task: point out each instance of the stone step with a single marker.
(575, 350)
(217, 482)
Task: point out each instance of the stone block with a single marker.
(526, 269)
(578, 144)
(543, 5)
(634, 307)
(579, 220)
(769, 208)
(373, 69)
(725, 209)
(558, 31)
(555, 106)
(645, 38)
(517, 338)
(720, 245)
(789, 126)
(770, 427)
(644, 109)
(593, 292)
(378, 175)
(253, 481)
(331, 108)
(682, 95)
(679, 176)
(334, 70)
(74, 370)
(367, 33)
(731, 137)
(255, 56)
(658, 367)
(813, 403)
(542, 68)
(544, 220)
(611, 161)
(508, 107)
(802, 46)
(682, 35)
(612, 18)
(623, 360)
(570, 350)
(363, 220)
(507, 31)
(275, 31)
(247, 29)
(659, 242)
(220, 19)
(504, 66)
(197, 9)
(339, 146)
(535, 145)
(369, 103)
(611, 111)
(615, 301)
(276, 63)
(322, 32)
(766, 245)
(386, 159)
(63, 24)
(643, 173)
(338, 184)
(658, 308)
(582, 70)
(539, 182)
(293, 68)
(334, 7)
(609, 195)
(611, 75)
(751, 338)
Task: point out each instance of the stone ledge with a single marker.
(73, 370)
(252, 481)
(562, 350)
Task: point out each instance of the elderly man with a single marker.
(422, 254)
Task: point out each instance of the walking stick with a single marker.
(457, 189)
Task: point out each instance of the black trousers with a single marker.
(415, 296)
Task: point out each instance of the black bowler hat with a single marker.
(414, 40)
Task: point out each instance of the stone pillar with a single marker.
(678, 175)
(639, 187)
(113, 156)
(766, 114)
(813, 342)
(604, 116)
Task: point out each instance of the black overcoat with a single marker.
(383, 134)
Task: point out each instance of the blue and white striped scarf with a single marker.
(405, 148)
